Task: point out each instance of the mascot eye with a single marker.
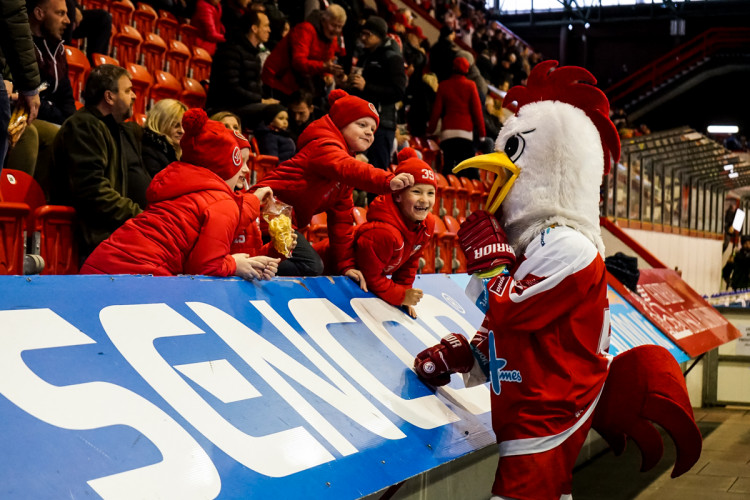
(514, 147)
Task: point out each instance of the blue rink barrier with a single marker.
(190, 387)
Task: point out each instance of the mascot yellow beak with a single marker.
(505, 172)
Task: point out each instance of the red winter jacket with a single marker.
(299, 54)
(457, 103)
(320, 178)
(191, 219)
(385, 245)
(207, 19)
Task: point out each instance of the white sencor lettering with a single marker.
(133, 329)
(185, 470)
(428, 411)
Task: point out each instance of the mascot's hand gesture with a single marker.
(484, 243)
(453, 354)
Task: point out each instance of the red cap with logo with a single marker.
(209, 144)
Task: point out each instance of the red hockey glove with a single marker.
(484, 243)
(435, 364)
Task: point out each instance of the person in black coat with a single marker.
(272, 136)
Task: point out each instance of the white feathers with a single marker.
(561, 171)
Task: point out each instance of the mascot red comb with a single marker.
(539, 275)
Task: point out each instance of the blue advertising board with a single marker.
(191, 387)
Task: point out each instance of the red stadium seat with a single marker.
(100, 59)
(12, 218)
(360, 215)
(200, 64)
(122, 12)
(187, 34)
(458, 259)
(446, 241)
(193, 93)
(478, 197)
(166, 25)
(153, 51)
(431, 146)
(178, 58)
(78, 70)
(427, 260)
(139, 119)
(126, 44)
(144, 18)
(50, 226)
(165, 86)
(318, 228)
(96, 4)
(259, 164)
(462, 197)
(446, 203)
(142, 82)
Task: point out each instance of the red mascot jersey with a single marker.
(549, 332)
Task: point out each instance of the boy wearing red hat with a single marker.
(321, 177)
(193, 214)
(393, 238)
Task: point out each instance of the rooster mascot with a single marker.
(544, 340)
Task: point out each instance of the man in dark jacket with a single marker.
(95, 152)
(741, 271)
(48, 20)
(382, 82)
(18, 51)
(235, 72)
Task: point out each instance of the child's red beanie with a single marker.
(346, 108)
(209, 144)
(409, 163)
(242, 141)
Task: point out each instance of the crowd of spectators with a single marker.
(275, 66)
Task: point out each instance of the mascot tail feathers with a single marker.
(645, 386)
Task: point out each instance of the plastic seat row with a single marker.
(29, 226)
(145, 19)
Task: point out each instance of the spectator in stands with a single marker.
(302, 112)
(277, 18)
(207, 19)
(443, 53)
(398, 227)
(741, 269)
(320, 178)
(232, 13)
(95, 25)
(161, 136)
(235, 72)
(193, 214)
(272, 136)
(306, 55)
(229, 120)
(18, 48)
(95, 152)
(380, 80)
(457, 104)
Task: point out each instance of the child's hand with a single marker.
(263, 194)
(267, 267)
(412, 312)
(356, 275)
(412, 297)
(401, 181)
(245, 268)
(293, 244)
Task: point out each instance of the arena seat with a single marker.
(138, 118)
(126, 44)
(49, 227)
(478, 197)
(144, 18)
(200, 64)
(187, 34)
(427, 260)
(12, 217)
(193, 93)
(100, 59)
(462, 197)
(431, 146)
(165, 86)
(259, 164)
(142, 82)
(318, 228)
(153, 51)
(445, 241)
(447, 197)
(166, 25)
(122, 13)
(360, 215)
(177, 58)
(458, 259)
(96, 4)
(78, 69)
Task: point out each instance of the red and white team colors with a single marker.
(548, 324)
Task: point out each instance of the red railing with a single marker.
(689, 53)
(621, 235)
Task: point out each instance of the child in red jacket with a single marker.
(397, 229)
(321, 176)
(193, 214)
